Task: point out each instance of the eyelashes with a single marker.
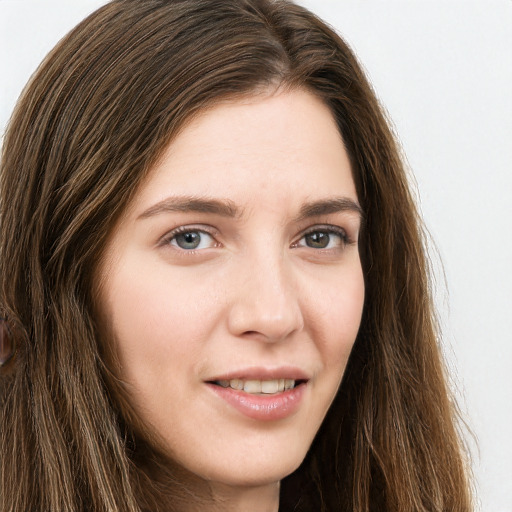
(192, 239)
(324, 237)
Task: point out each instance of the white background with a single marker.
(443, 70)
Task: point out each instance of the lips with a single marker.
(262, 394)
(263, 373)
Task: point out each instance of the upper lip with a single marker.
(263, 373)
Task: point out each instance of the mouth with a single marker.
(260, 387)
(261, 399)
(263, 393)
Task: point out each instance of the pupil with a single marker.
(188, 240)
(317, 240)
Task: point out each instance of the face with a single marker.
(234, 290)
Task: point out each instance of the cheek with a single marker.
(155, 322)
(337, 322)
(336, 316)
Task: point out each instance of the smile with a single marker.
(261, 399)
(257, 387)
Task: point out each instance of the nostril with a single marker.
(251, 333)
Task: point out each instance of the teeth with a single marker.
(252, 386)
(236, 384)
(267, 387)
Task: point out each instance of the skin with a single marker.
(266, 288)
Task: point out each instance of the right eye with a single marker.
(191, 239)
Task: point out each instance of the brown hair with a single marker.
(88, 127)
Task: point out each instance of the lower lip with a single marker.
(262, 407)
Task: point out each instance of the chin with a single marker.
(256, 473)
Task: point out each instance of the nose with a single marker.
(265, 303)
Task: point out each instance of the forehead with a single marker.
(282, 146)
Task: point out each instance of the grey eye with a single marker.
(190, 240)
(324, 238)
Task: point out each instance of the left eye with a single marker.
(192, 240)
(323, 239)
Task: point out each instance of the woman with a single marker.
(205, 227)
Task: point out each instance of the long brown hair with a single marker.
(90, 124)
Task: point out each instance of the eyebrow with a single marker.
(227, 208)
(224, 208)
(329, 206)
